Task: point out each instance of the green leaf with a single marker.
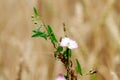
(38, 33)
(78, 68)
(36, 16)
(70, 53)
(51, 34)
(50, 29)
(36, 13)
(59, 49)
(67, 53)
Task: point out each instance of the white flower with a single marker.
(60, 78)
(67, 42)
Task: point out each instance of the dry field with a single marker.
(94, 24)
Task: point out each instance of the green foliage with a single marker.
(59, 49)
(78, 68)
(70, 53)
(43, 34)
(51, 34)
(38, 33)
(36, 14)
(67, 53)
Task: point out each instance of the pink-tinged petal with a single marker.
(73, 45)
(60, 78)
(64, 42)
(67, 42)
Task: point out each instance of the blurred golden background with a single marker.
(94, 24)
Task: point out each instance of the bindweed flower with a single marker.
(60, 77)
(67, 42)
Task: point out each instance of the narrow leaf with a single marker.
(78, 68)
(65, 53)
(40, 34)
(36, 13)
(50, 29)
(51, 34)
(70, 53)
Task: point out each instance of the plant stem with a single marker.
(70, 73)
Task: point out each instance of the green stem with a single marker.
(68, 63)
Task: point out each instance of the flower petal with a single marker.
(67, 42)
